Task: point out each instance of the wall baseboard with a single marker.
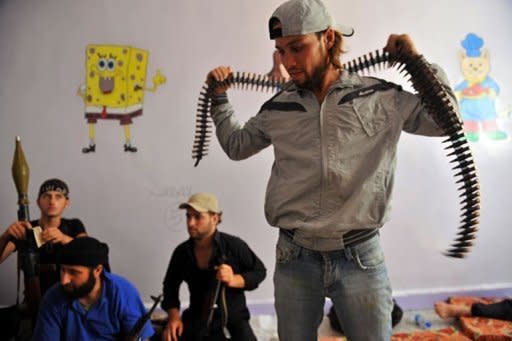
(412, 299)
(406, 299)
(425, 299)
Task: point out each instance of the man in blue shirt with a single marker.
(89, 303)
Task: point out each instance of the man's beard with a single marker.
(315, 80)
(204, 234)
(81, 291)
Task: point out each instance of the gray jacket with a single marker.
(335, 162)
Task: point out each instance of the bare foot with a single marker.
(446, 310)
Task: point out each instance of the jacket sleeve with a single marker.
(172, 282)
(237, 142)
(251, 267)
(416, 118)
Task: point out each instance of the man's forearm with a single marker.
(6, 247)
(238, 281)
(174, 314)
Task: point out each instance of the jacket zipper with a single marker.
(323, 146)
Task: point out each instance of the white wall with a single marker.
(130, 200)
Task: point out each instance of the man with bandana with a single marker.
(53, 199)
(89, 303)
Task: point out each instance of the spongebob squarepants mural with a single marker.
(477, 93)
(114, 88)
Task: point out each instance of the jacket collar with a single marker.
(346, 80)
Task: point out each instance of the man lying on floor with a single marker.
(499, 310)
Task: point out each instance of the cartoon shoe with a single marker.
(130, 148)
(90, 149)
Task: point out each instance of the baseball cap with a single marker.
(202, 202)
(299, 17)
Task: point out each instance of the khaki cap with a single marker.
(202, 202)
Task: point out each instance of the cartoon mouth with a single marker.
(106, 84)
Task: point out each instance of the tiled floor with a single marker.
(266, 329)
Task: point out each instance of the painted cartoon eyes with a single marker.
(106, 64)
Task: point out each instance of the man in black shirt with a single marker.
(217, 268)
(52, 200)
(53, 232)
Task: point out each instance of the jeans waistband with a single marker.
(349, 239)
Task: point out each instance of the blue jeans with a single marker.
(355, 279)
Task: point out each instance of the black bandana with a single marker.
(56, 185)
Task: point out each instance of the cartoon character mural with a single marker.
(477, 93)
(114, 87)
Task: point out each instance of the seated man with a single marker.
(500, 310)
(56, 231)
(52, 200)
(218, 268)
(89, 303)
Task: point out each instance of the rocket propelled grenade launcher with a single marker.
(20, 175)
(28, 257)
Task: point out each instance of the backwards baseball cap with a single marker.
(299, 17)
(85, 251)
(202, 202)
(56, 185)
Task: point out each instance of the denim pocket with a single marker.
(368, 255)
(286, 251)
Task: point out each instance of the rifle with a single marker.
(219, 290)
(134, 334)
(28, 257)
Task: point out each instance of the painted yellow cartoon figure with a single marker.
(114, 87)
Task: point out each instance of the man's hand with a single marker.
(55, 236)
(226, 275)
(401, 45)
(219, 74)
(173, 329)
(18, 230)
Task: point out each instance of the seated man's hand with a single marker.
(173, 329)
(18, 230)
(225, 274)
(55, 236)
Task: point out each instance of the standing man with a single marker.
(89, 303)
(57, 231)
(335, 137)
(217, 268)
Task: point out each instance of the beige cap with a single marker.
(202, 202)
(298, 17)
